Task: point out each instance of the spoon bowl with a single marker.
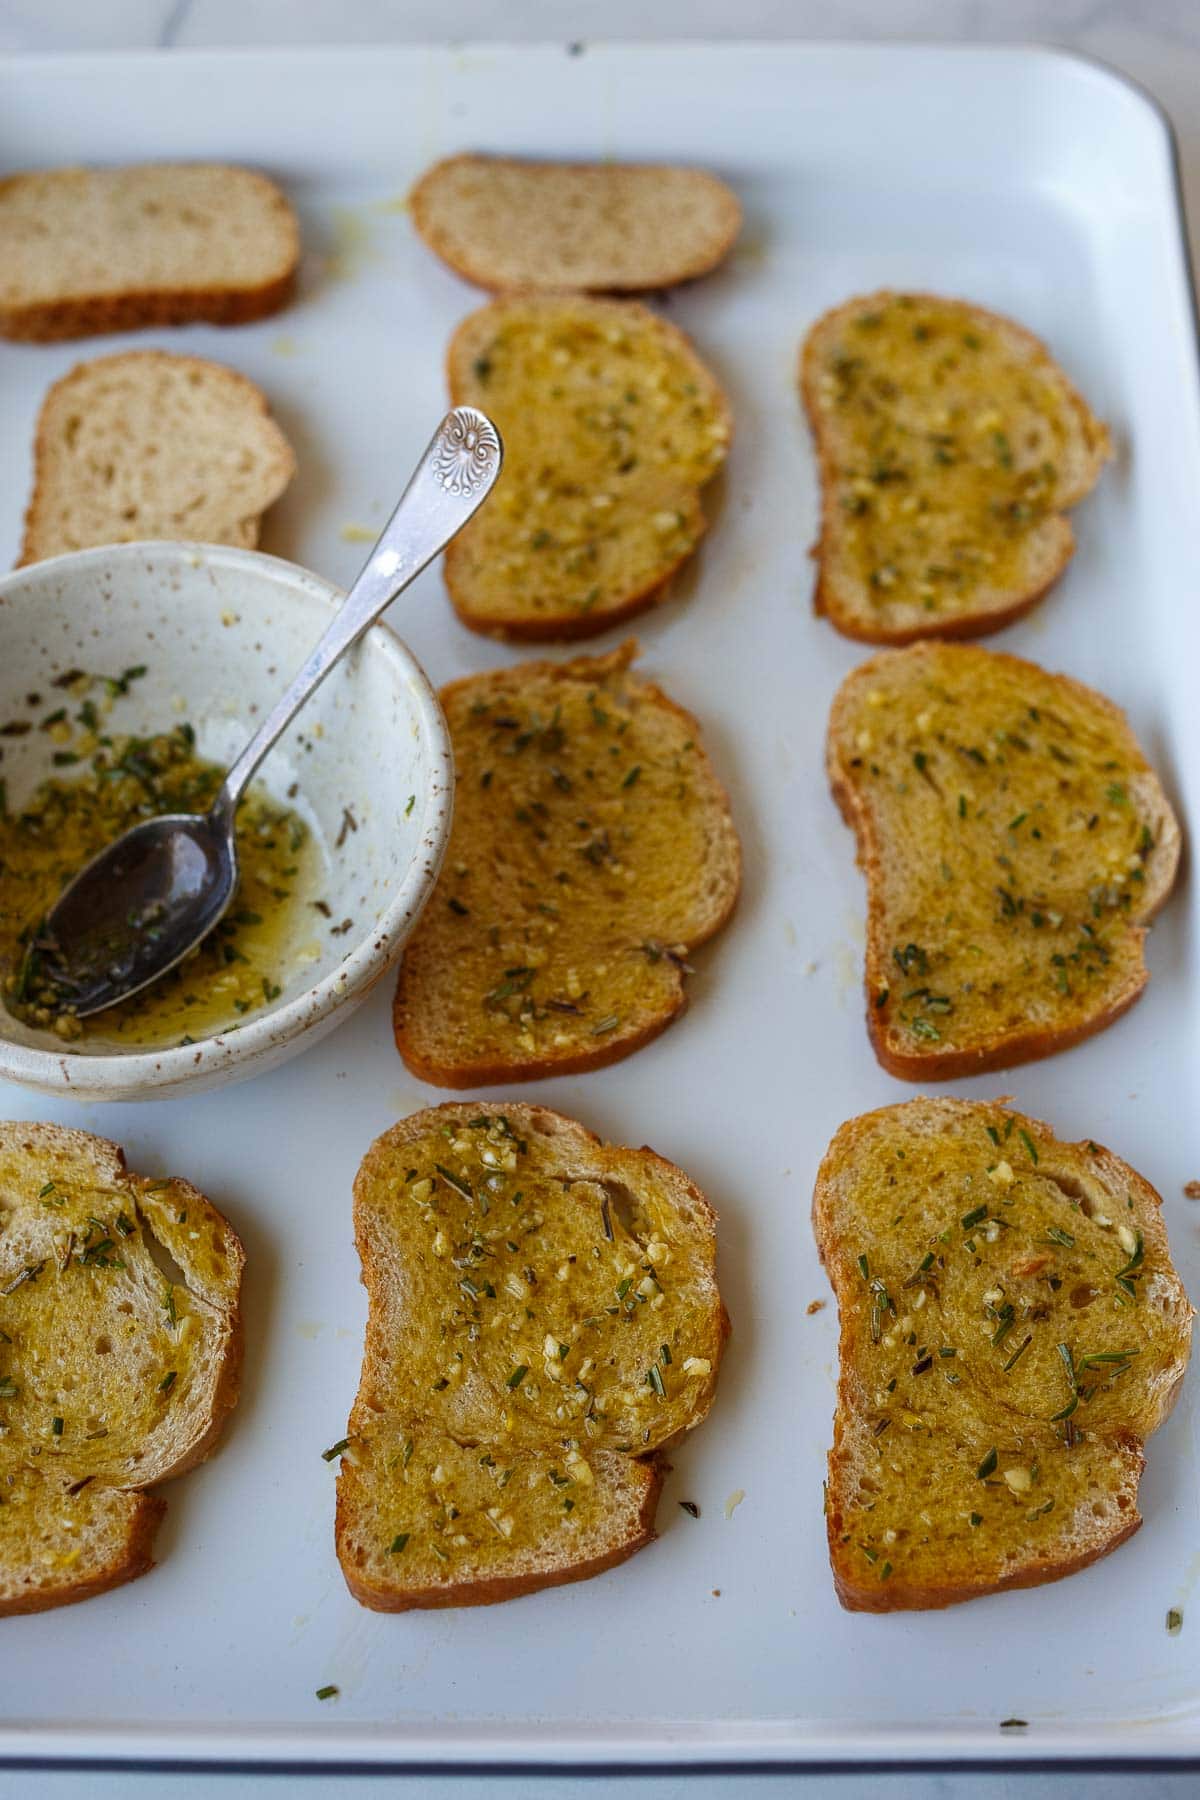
(133, 912)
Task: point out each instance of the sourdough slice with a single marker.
(611, 426)
(84, 251)
(1016, 843)
(592, 850)
(148, 445)
(119, 1360)
(1012, 1331)
(543, 1320)
(950, 444)
(607, 227)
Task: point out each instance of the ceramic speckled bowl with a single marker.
(220, 632)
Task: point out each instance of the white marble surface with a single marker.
(1157, 42)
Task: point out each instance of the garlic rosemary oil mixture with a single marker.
(108, 782)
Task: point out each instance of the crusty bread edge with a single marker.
(489, 1591)
(475, 271)
(565, 628)
(618, 1046)
(909, 1596)
(964, 625)
(1024, 1045)
(136, 1559)
(53, 321)
(228, 1384)
(900, 1596)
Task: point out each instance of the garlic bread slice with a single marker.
(592, 850)
(1012, 1330)
(950, 446)
(612, 425)
(544, 1319)
(1016, 844)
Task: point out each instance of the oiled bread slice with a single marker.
(543, 1319)
(592, 850)
(950, 445)
(144, 445)
(84, 251)
(1012, 1331)
(1015, 842)
(119, 1359)
(606, 227)
(612, 426)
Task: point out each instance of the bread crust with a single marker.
(981, 620)
(475, 268)
(494, 1072)
(97, 315)
(857, 1596)
(572, 626)
(489, 1592)
(136, 1558)
(562, 628)
(1010, 1049)
(855, 1590)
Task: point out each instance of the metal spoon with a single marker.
(138, 907)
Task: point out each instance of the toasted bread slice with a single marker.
(149, 445)
(950, 445)
(604, 227)
(1016, 843)
(84, 251)
(592, 851)
(544, 1318)
(119, 1360)
(1012, 1331)
(611, 425)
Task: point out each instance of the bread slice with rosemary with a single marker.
(612, 425)
(84, 251)
(120, 1352)
(1012, 1330)
(543, 1321)
(1016, 844)
(146, 445)
(592, 851)
(605, 227)
(950, 445)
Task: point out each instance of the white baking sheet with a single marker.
(1029, 182)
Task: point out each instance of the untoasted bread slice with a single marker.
(592, 851)
(148, 445)
(950, 445)
(119, 1360)
(84, 251)
(1016, 843)
(611, 425)
(1012, 1331)
(604, 227)
(544, 1318)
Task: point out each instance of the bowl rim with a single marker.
(271, 1036)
